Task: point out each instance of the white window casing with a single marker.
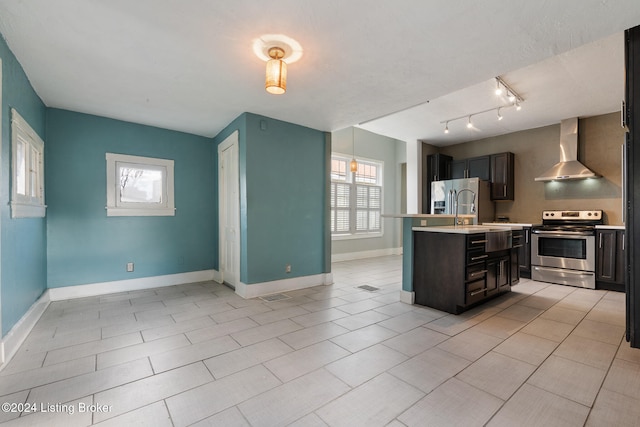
(27, 170)
(139, 186)
(356, 198)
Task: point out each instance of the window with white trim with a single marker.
(356, 198)
(139, 186)
(27, 162)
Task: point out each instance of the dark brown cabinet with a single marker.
(502, 177)
(516, 255)
(610, 259)
(474, 167)
(453, 272)
(435, 167)
(523, 245)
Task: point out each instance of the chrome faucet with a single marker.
(473, 205)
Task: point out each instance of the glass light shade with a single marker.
(276, 79)
(353, 165)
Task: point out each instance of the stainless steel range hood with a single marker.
(569, 167)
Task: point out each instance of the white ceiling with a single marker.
(188, 65)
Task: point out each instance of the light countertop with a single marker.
(467, 229)
(610, 227)
(518, 224)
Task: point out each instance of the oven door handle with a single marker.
(563, 234)
(565, 272)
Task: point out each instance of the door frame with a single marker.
(223, 186)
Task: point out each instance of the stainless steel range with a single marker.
(563, 248)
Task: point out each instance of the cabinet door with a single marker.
(435, 167)
(458, 169)
(502, 180)
(621, 258)
(514, 267)
(524, 257)
(440, 167)
(606, 241)
(479, 167)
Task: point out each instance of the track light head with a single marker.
(446, 127)
(469, 124)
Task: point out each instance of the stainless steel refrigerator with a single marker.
(476, 202)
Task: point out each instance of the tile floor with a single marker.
(337, 355)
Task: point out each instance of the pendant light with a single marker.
(353, 166)
(276, 76)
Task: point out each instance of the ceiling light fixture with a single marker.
(500, 84)
(512, 95)
(498, 88)
(278, 51)
(353, 166)
(276, 76)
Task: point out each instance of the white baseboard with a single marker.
(11, 342)
(407, 297)
(348, 256)
(266, 288)
(94, 289)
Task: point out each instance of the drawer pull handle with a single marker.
(516, 246)
(475, 242)
(477, 273)
(475, 258)
(479, 291)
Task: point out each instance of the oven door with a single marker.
(563, 250)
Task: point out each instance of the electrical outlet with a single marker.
(287, 268)
(423, 222)
(129, 267)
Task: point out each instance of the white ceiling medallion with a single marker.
(264, 43)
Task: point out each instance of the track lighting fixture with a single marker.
(512, 96)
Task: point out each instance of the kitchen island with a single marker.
(458, 267)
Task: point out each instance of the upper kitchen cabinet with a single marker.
(502, 180)
(435, 167)
(474, 167)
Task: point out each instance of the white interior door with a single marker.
(229, 209)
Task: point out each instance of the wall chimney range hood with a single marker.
(569, 167)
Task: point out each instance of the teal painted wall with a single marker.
(23, 241)
(283, 187)
(84, 245)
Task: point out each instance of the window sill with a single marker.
(356, 236)
(26, 210)
(140, 212)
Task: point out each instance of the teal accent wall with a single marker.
(283, 190)
(84, 245)
(22, 241)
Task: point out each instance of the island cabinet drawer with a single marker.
(475, 291)
(476, 241)
(476, 256)
(476, 272)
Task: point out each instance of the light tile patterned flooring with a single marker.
(336, 355)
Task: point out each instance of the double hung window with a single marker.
(27, 186)
(356, 198)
